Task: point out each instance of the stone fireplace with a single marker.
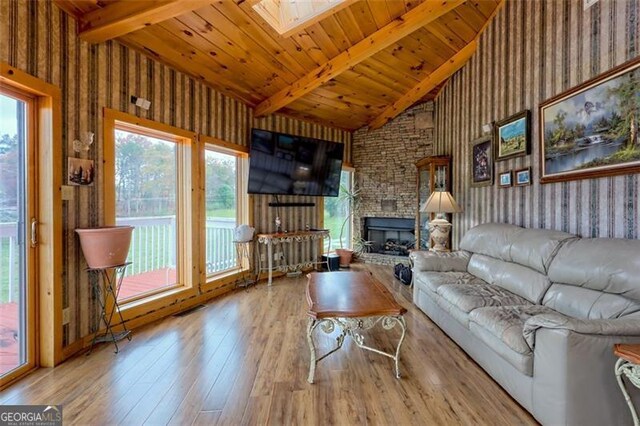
(386, 174)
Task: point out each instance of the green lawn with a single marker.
(333, 224)
(221, 213)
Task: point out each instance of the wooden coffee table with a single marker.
(350, 301)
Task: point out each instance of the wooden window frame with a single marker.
(48, 146)
(187, 203)
(244, 211)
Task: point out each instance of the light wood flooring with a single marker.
(244, 360)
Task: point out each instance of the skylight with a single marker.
(289, 16)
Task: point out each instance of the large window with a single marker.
(146, 192)
(337, 214)
(150, 175)
(225, 207)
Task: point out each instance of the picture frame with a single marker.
(587, 131)
(481, 161)
(513, 136)
(80, 172)
(522, 177)
(505, 179)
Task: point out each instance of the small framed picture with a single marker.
(505, 179)
(523, 177)
(81, 172)
(481, 162)
(513, 136)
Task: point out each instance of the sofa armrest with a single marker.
(574, 381)
(603, 327)
(456, 261)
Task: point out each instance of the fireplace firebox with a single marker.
(390, 235)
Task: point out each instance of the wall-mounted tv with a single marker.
(282, 164)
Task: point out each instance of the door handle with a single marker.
(34, 232)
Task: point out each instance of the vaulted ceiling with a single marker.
(361, 64)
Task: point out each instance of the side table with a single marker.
(628, 364)
(276, 240)
(107, 296)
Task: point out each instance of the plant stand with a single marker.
(107, 296)
(243, 256)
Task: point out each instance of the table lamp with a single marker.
(440, 202)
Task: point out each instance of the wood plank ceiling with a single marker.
(362, 65)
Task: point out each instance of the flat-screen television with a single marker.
(282, 164)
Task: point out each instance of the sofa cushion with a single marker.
(456, 313)
(455, 261)
(518, 279)
(522, 362)
(533, 248)
(468, 297)
(433, 280)
(501, 327)
(507, 322)
(596, 278)
(584, 303)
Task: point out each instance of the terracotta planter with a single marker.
(106, 246)
(345, 257)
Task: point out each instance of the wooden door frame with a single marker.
(48, 146)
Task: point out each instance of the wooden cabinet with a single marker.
(434, 173)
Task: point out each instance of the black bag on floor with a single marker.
(402, 273)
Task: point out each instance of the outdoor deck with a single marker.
(131, 285)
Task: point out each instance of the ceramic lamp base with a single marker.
(439, 230)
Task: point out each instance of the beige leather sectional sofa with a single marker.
(539, 310)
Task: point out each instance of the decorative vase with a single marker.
(439, 230)
(106, 246)
(345, 257)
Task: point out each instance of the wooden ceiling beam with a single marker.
(442, 73)
(416, 18)
(123, 17)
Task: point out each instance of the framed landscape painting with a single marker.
(592, 130)
(513, 136)
(481, 162)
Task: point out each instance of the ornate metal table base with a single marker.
(350, 327)
(278, 240)
(632, 373)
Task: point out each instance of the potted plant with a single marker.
(352, 197)
(360, 246)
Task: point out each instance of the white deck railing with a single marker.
(9, 266)
(153, 246)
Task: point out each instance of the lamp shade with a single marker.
(440, 202)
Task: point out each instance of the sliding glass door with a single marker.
(17, 233)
